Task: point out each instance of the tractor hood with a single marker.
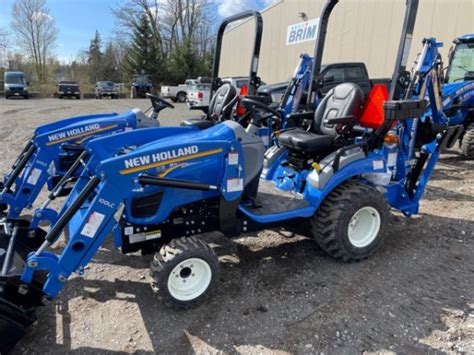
(462, 90)
(79, 129)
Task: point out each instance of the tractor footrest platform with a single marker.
(271, 200)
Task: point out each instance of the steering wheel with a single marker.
(251, 104)
(158, 103)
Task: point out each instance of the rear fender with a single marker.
(323, 183)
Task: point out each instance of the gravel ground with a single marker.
(277, 295)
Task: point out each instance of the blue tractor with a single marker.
(54, 154)
(458, 91)
(453, 88)
(157, 190)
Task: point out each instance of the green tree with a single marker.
(144, 52)
(185, 63)
(95, 59)
(110, 69)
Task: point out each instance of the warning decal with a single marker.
(235, 185)
(93, 224)
(34, 176)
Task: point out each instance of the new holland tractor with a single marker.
(56, 147)
(158, 190)
(458, 91)
(452, 87)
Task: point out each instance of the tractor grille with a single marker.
(146, 206)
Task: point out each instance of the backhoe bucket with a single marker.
(17, 298)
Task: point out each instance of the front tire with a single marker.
(467, 143)
(350, 224)
(184, 272)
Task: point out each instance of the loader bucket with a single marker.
(17, 298)
(13, 323)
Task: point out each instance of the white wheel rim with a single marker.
(189, 279)
(364, 227)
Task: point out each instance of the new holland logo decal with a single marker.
(155, 160)
(76, 133)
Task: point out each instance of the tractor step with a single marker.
(271, 200)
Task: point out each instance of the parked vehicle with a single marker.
(331, 75)
(106, 88)
(15, 84)
(180, 93)
(141, 86)
(237, 81)
(199, 94)
(69, 89)
(175, 93)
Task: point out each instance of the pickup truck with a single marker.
(330, 76)
(199, 95)
(180, 93)
(69, 88)
(106, 88)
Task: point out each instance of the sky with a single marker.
(77, 20)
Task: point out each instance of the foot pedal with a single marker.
(255, 205)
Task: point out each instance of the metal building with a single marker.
(359, 31)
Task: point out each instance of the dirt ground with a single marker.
(277, 295)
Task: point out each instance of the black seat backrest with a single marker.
(341, 101)
(222, 102)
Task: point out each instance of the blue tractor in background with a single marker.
(141, 85)
(458, 91)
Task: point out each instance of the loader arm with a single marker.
(41, 158)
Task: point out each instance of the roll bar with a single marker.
(402, 55)
(253, 79)
(319, 49)
(405, 44)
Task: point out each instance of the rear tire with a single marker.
(133, 93)
(350, 224)
(184, 272)
(467, 143)
(181, 97)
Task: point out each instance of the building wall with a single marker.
(359, 30)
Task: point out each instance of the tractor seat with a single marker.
(220, 108)
(342, 101)
(201, 123)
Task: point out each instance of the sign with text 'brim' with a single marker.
(302, 32)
